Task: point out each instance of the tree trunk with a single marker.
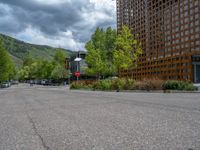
(98, 77)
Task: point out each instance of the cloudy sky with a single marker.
(59, 23)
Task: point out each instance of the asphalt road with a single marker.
(41, 118)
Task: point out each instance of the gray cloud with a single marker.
(69, 21)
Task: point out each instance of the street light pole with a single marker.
(77, 70)
(78, 59)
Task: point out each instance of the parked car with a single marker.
(43, 82)
(15, 82)
(5, 84)
(37, 82)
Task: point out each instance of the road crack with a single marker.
(37, 133)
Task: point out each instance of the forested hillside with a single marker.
(19, 50)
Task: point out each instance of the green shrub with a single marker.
(190, 87)
(81, 85)
(118, 84)
(123, 84)
(108, 84)
(130, 84)
(74, 85)
(102, 85)
(178, 85)
(171, 85)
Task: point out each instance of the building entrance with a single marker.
(197, 73)
(196, 65)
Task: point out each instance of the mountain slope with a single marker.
(19, 49)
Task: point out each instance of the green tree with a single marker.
(44, 69)
(128, 50)
(37, 69)
(6, 65)
(48, 68)
(59, 72)
(28, 60)
(15, 75)
(96, 64)
(60, 57)
(24, 73)
(110, 43)
(100, 52)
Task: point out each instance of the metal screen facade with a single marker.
(169, 31)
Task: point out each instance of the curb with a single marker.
(139, 91)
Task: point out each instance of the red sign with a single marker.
(77, 74)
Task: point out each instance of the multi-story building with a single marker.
(169, 31)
